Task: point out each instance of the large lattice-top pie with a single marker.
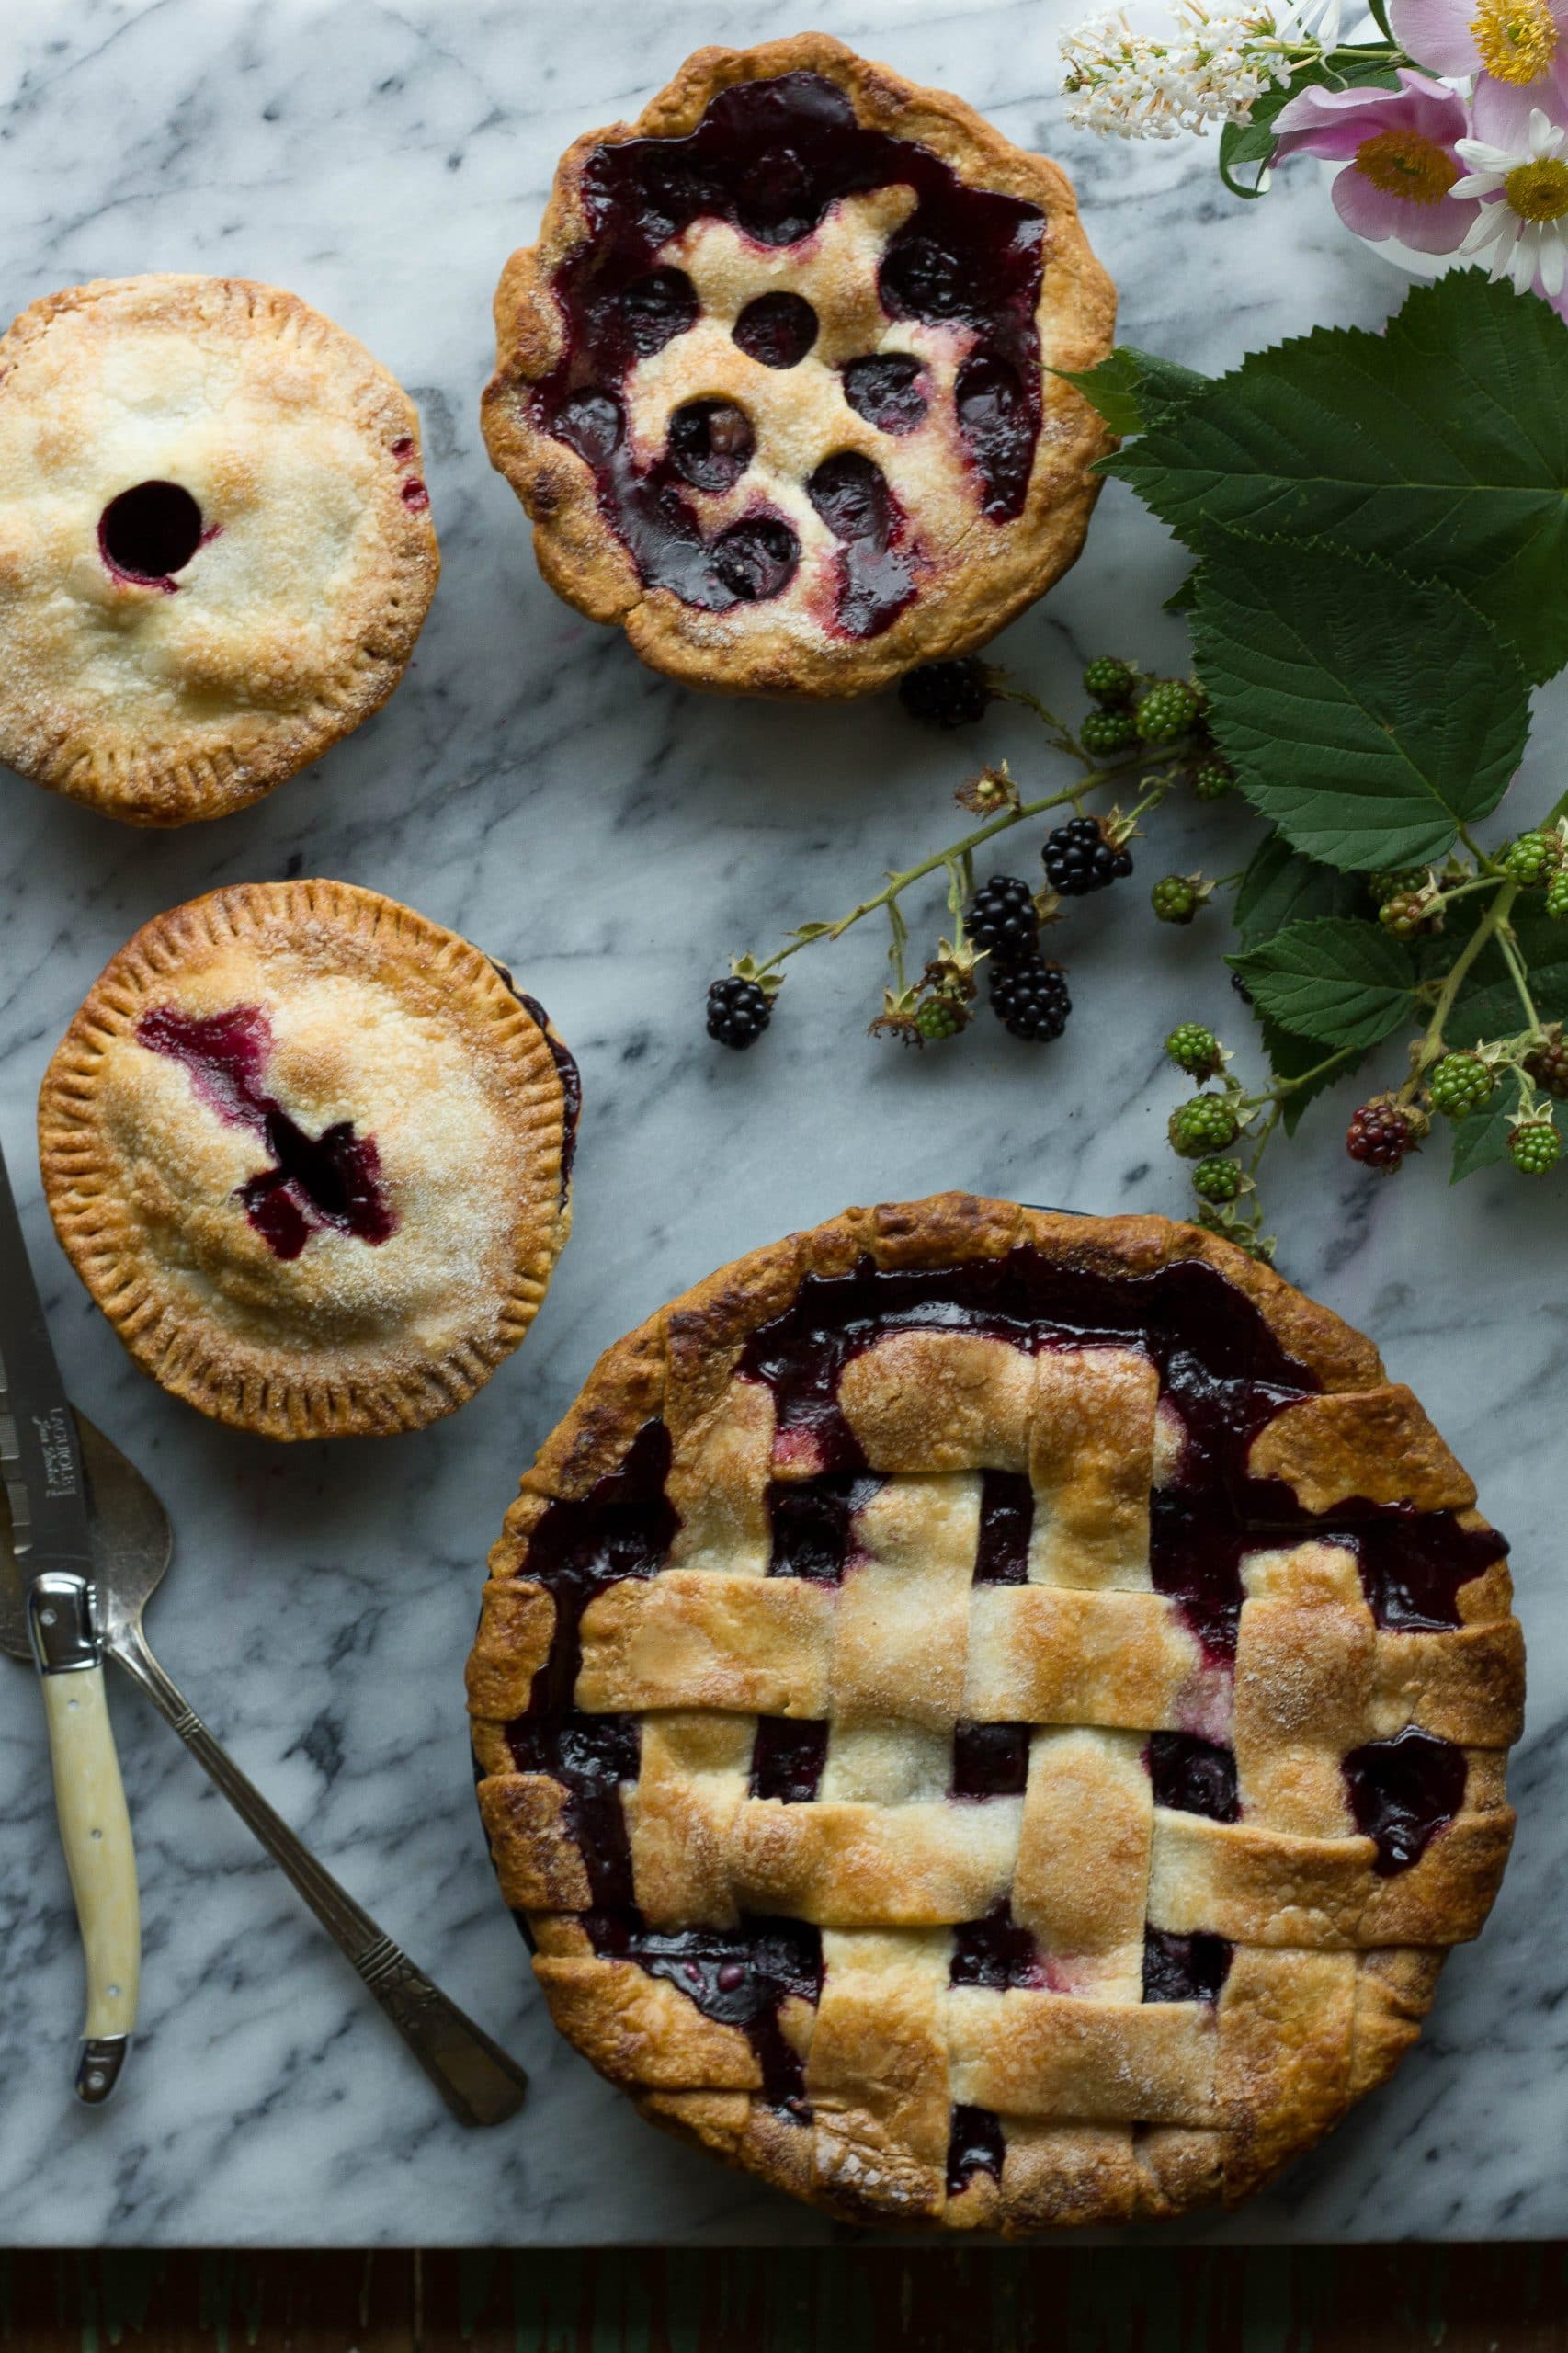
(775, 384)
(996, 1718)
(310, 1153)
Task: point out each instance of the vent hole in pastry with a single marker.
(710, 444)
(1184, 1969)
(1193, 1776)
(889, 389)
(996, 1952)
(781, 198)
(1006, 1521)
(593, 423)
(658, 308)
(974, 2145)
(1402, 1791)
(989, 1760)
(776, 329)
(757, 558)
(812, 1521)
(852, 497)
(151, 531)
(994, 418)
(787, 1759)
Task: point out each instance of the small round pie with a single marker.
(994, 1719)
(216, 549)
(310, 1153)
(776, 384)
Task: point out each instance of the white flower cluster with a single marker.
(1223, 55)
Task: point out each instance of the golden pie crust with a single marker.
(1101, 2094)
(308, 1152)
(977, 575)
(162, 700)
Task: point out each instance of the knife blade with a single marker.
(51, 1546)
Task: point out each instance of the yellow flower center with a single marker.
(1539, 191)
(1406, 164)
(1516, 39)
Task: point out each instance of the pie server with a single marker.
(49, 1612)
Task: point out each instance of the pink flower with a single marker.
(1399, 148)
(1523, 41)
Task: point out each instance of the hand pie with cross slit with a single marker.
(776, 384)
(310, 1153)
(993, 1719)
(216, 549)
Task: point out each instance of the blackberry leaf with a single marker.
(1342, 984)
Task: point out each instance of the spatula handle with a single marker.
(474, 2076)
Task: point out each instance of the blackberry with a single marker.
(1382, 886)
(1079, 859)
(1460, 1085)
(1002, 918)
(1557, 895)
(1195, 1049)
(1405, 913)
(1218, 1180)
(1173, 899)
(1205, 1124)
(1105, 732)
(1211, 779)
(1535, 1146)
(938, 1018)
(947, 694)
(1167, 710)
(1380, 1134)
(1530, 859)
(1111, 681)
(1242, 989)
(1031, 999)
(1549, 1065)
(738, 1012)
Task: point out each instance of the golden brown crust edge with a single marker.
(231, 1385)
(582, 559)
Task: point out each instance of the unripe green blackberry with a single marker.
(1195, 1049)
(1211, 779)
(1205, 1124)
(1557, 895)
(1535, 1146)
(1218, 1180)
(1105, 732)
(1175, 898)
(1167, 710)
(1382, 887)
(938, 1019)
(1110, 681)
(1529, 859)
(1407, 912)
(1460, 1083)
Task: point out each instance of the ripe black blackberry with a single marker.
(1031, 999)
(1381, 1133)
(1549, 1064)
(947, 694)
(1079, 859)
(1002, 918)
(738, 1012)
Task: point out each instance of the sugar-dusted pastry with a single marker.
(216, 547)
(775, 384)
(310, 1153)
(994, 1719)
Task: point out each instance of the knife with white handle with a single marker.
(51, 1543)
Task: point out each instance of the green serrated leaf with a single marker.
(1345, 983)
(1442, 444)
(1133, 389)
(1482, 1141)
(1368, 746)
(1182, 599)
(1281, 887)
(1488, 1004)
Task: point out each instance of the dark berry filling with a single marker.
(974, 2145)
(989, 1760)
(1193, 1776)
(1184, 1969)
(771, 158)
(739, 1977)
(889, 389)
(333, 1179)
(151, 532)
(710, 444)
(756, 558)
(996, 1953)
(813, 1536)
(1402, 1791)
(876, 568)
(1006, 1521)
(776, 329)
(787, 1759)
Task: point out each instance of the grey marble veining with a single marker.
(614, 838)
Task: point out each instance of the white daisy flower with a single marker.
(1523, 223)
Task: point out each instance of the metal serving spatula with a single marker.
(131, 1544)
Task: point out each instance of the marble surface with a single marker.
(614, 838)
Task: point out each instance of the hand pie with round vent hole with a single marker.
(310, 1153)
(994, 1719)
(216, 549)
(776, 384)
